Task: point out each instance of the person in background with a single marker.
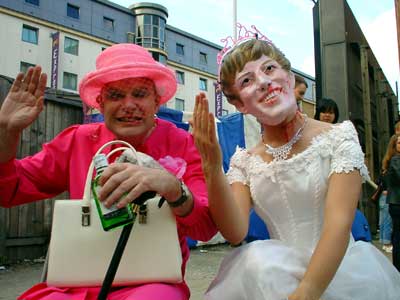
(391, 166)
(127, 87)
(327, 111)
(300, 88)
(385, 221)
(397, 128)
(303, 178)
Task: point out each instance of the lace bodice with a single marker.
(289, 195)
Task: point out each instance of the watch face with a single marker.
(185, 190)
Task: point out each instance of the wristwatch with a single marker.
(183, 198)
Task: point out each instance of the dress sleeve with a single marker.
(237, 169)
(347, 154)
(41, 176)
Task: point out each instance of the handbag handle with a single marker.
(86, 203)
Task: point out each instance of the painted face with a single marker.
(300, 91)
(129, 106)
(266, 91)
(328, 116)
(398, 145)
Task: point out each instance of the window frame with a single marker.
(181, 103)
(31, 29)
(150, 31)
(74, 7)
(110, 20)
(180, 47)
(203, 58)
(33, 2)
(180, 77)
(64, 81)
(26, 65)
(201, 81)
(77, 47)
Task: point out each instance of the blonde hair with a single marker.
(390, 152)
(235, 61)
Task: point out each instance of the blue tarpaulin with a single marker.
(230, 135)
(174, 116)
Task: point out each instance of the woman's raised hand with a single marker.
(205, 136)
(24, 101)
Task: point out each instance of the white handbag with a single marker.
(79, 254)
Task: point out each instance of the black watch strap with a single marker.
(182, 199)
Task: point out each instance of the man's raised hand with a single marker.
(24, 101)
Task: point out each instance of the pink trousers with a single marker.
(151, 291)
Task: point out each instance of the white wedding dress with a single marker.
(289, 196)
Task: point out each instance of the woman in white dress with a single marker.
(303, 179)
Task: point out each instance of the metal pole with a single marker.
(317, 53)
(397, 12)
(234, 19)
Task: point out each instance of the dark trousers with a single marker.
(394, 211)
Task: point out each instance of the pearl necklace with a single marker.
(282, 152)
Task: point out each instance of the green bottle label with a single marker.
(113, 216)
(112, 211)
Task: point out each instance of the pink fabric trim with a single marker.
(150, 291)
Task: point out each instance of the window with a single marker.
(70, 81)
(179, 104)
(203, 84)
(203, 58)
(30, 34)
(179, 49)
(180, 77)
(108, 23)
(72, 11)
(147, 19)
(150, 31)
(130, 37)
(71, 46)
(23, 67)
(34, 2)
(161, 58)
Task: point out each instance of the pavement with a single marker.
(201, 269)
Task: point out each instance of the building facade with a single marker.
(65, 37)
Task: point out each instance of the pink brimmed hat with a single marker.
(122, 61)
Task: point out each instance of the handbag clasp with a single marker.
(85, 216)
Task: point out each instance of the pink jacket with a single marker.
(63, 163)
